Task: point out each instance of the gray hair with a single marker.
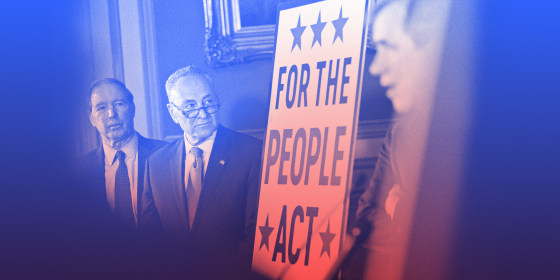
(109, 81)
(420, 17)
(189, 71)
(425, 20)
(384, 4)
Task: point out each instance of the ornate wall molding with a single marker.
(227, 42)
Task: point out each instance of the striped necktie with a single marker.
(194, 185)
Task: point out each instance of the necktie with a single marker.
(123, 197)
(194, 185)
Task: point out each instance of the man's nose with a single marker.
(111, 112)
(376, 66)
(202, 113)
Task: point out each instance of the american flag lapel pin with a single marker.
(222, 162)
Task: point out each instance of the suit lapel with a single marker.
(178, 182)
(144, 149)
(98, 170)
(216, 165)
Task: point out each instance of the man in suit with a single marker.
(202, 189)
(408, 36)
(115, 170)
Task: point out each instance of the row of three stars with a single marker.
(317, 28)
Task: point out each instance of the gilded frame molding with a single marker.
(227, 42)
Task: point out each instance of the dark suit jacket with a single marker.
(385, 238)
(371, 203)
(93, 170)
(391, 168)
(223, 229)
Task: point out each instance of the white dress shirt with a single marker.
(111, 165)
(206, 147)
(393, 198)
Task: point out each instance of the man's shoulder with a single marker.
(157, 143)
(238, 137)
(238, 143)
(166, 149)
(92, 157)
(150, 144)
(89, 164)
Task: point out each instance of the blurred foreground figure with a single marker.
(201, 191)
(115, 170)
(408, 36)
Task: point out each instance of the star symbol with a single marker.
(317, 29)
(297, 32)
(265, 233)
(327, 237)
(338, 26)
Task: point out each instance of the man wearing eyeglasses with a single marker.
(115, 171)
(202, 189)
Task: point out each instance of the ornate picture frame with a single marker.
(227, 41)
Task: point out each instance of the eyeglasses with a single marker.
(210, 107)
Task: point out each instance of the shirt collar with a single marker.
(129, 150)
(205, 146)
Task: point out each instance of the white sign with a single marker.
(312, 123)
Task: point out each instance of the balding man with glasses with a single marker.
(201, 191)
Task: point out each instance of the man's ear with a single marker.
(172, 113)
(90, 115)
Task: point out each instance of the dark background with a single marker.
(48, 228)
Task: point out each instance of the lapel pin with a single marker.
(222, 162)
